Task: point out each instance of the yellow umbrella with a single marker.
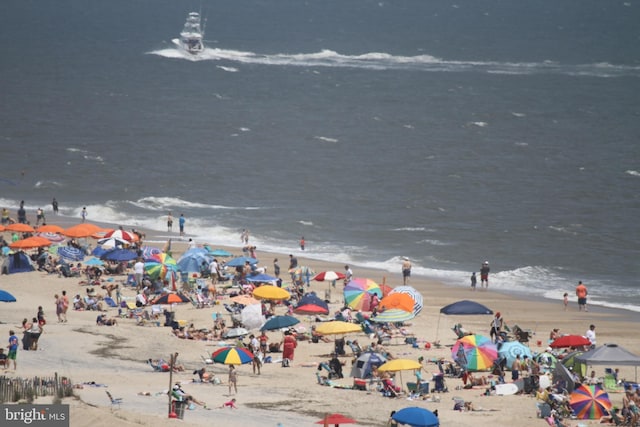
(337, 327)
(245, 300)
(271, 292)
(399, 365)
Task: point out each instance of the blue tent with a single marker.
(17, 262)
(192, 260)
(465, 307)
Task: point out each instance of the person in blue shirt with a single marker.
(13, 348)
(181, 224)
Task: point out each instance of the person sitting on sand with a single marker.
(102, 320)
(181, 395)
(469, 380)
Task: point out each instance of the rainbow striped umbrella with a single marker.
(589, 402)
(475, 352)
(232, 356)
(358, 292)
(161, 266)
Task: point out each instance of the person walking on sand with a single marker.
(233, 379)
(591, 335)
(581, 293)
(406, 270)
(276, 268)
(13, 349)
(484, 274)
(181, 222)
(474, 281)
(169, 222)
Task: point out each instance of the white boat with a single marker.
(191, 35)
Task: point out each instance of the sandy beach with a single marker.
(114, 358)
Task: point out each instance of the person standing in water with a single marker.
(484, 274)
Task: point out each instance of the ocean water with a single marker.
(451, 132)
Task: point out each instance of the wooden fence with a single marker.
(16, 389)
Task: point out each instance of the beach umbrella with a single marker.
(393, 315)
(279, 322)
(94, 262)
(397, 301)
(416, 296)
(81, 230)
(396, 365)
(149, 251)
(337, 327)
(6, 296)
(546, 360)
(311, 304)
(336, 420)
(119, 255)
(479, 352)
(415, 416)
(358, 292)
(302, 273)
(240, 261)
(121, 235)
(160, 266)
(171, 299)
(261, 278)
(30, 243)
(50, 228)
(465, 308)
(509, 350)
(571, 362)
(220, 253)
(329, 276)
(71, 253)
(113, 242)
(589, 402)
(570, 341)
(2, 227)
(272, 293)
(244, 300)
(20, 228)
(52, 237)
(235, 333)
(193, 260)
(251, 316)
(232, 356)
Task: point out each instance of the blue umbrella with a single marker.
(6, 296)
(240, 261)
(71, 253)
(119, 255)
(416, 417)
(261, 278)
(94, 262)
(465, 307)
(193, 259)
(98, 251)
(279, 322)
(510, 349)
(220, 253)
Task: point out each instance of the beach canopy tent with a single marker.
(610, 354)
(17, 262)
(364, 364)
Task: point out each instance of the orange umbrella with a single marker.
(401, 301)
(81, 230)
(22, 228)
(50, 228)
(30, 243)
(1, 227)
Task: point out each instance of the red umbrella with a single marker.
(570, 341)
(336, 419)
(329, 276)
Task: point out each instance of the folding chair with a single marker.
(114, 401)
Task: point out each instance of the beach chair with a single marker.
(440, 385)
(611, 385)
(416, 389)
(389, 389)
(115, 401)
(522, 335)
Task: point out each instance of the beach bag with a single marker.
(285, 363)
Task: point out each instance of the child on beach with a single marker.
(566, 301)
(230, 404)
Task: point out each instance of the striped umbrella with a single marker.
(52, 237)
(589, 402)
(358, 292)
(232, 356)
(418, 302)
(149, 251)
(71, 253)
(393, 315)
(478, 352)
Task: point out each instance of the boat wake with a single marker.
(385, 61)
